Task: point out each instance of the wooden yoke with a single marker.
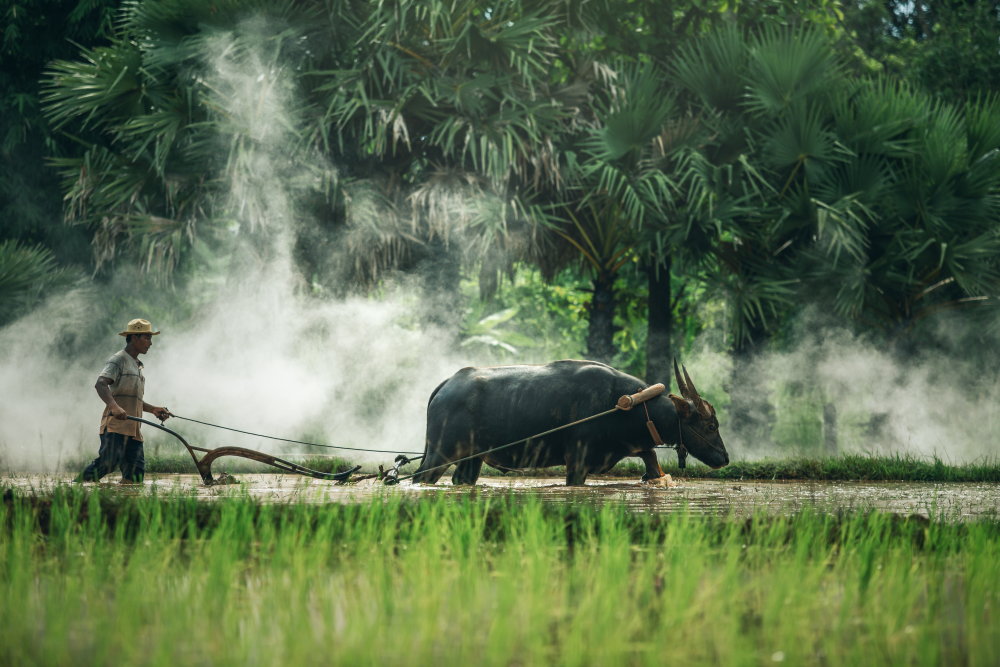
(629, 402)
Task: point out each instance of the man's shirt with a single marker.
(127, 387)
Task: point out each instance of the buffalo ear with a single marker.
(682, 407)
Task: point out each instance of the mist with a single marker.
(358, 372)
(260, 354)
(936, 403)
(341, 372)
(263, 354)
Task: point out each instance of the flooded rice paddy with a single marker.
(950, 501)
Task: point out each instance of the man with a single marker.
(121, 387)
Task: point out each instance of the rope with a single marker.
(511, 444)
(297, 442)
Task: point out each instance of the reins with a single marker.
(496, 449)
(681, 450)
(204, 464)
(625, 403)
(297, 442)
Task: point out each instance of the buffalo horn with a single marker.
(681, 387)
(695, 396)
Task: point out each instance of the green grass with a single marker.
(848, 467)
(180, 462)
(99, 578)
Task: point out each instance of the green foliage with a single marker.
(846, 468)
(948, 49)
(631, 310)
(28, 274)
(179, 143)
(868, 193)
(35, 33)
(488, 581)
(361, 112)
(756, 159)
(552, 315)
(426, 64)
(484, 331)
(543, 320)
(657, 29)
(180, 463)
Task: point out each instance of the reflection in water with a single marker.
(950, 501)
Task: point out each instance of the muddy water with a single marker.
(956, 502)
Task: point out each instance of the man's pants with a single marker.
(117, 450)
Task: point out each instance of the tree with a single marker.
(27, 275)
(923, 239)
(35, 33)
(409, 130)
(706, 196)
(945, 47)
(190, 105)
(458, 106)
(864, 185)
(617, 188)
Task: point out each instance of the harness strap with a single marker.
(681, 450)
(652, 429)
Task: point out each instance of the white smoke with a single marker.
(926, 405)
(259, 355)
(41, 400)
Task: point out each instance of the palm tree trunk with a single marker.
(441, 276)
(660, 324)
(601, 332)
(751, 414)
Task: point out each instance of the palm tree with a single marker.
(409, 129)
(27, 275)
(605, 241)
(622, 196)
(929, 242)
(187, 106)
(863, 185)
(458, 104)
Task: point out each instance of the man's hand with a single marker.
(161, 413)
(118, 412)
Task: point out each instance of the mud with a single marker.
(953, 502)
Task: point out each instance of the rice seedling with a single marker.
(846, 467)
(849, 467)
(90, 577)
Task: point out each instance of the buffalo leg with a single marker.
(467, 472)
(444, 444)
(576, 472)
(425, 475)
(653, 470)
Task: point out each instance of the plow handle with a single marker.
(629, 402)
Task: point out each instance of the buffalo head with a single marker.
(698, 424)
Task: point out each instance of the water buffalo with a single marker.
(477, 409)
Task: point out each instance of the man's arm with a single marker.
(161, 413)
(104, 391)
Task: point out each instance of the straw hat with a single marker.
(139, 327)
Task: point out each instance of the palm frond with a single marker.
(789, 66)
(26, 274)
(714, 68)
(801, 144)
